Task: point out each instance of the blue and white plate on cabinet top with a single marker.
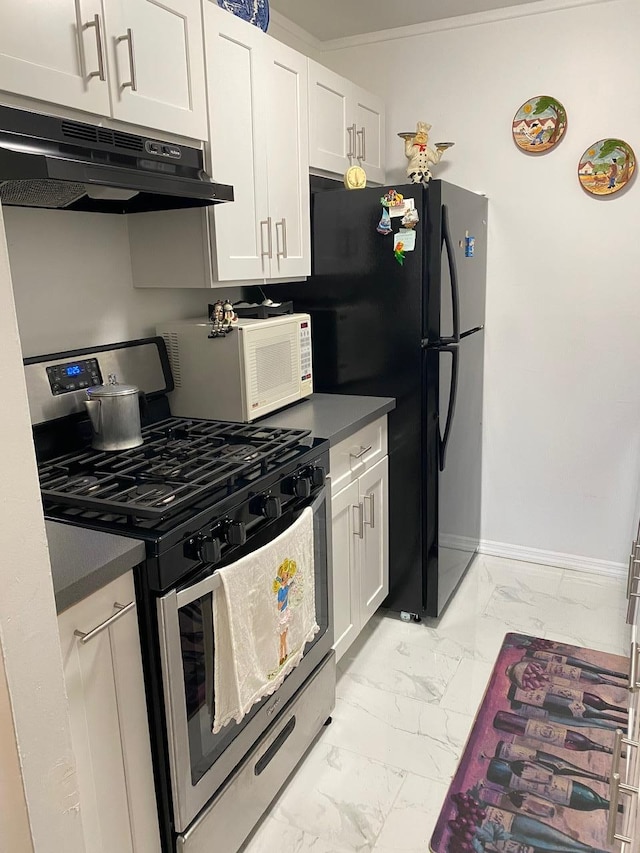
(254, 11)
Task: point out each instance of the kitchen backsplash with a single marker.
(72, 282)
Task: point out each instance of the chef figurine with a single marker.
(229, 316)
(420, 156)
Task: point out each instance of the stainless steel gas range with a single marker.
(201, 495)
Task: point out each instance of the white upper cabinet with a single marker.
(139, 61)
(288, 161)
(258, 126)
(238, 148)
(157, 64)
(55, 52)
(331, 139)
(369, 131)
(346, 126)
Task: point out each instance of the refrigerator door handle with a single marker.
(453, 396)
(453, 274)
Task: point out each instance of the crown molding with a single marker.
(541, 7)
(293, 29)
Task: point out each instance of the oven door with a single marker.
(199, 760)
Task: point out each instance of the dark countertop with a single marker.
(332, 416)
(83, 561)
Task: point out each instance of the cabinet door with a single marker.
(345, 528)
(242, 230)
(288, 160)
(368, 112)
(55, 52)
(157, 64)
(109, 724)
(331, 139)
(374, 562)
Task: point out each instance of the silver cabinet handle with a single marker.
(121, 610)
(372, 509)
(269, 252)
(351, 153)
(363, 451)
(634, 562)
(633, 669)
(363, 149)
(634, 598)
(100, 73)
(360, 531)
(133, 82)
(284, 253)
(618, 787)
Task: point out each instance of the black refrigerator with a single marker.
(413, 331)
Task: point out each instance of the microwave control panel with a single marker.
(73, 376)
(305, 350)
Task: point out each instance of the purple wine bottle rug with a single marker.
(534, 775)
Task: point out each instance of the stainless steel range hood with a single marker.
(50, 162)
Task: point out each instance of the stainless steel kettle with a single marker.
(114, 411)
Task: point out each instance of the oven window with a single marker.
(197, 646)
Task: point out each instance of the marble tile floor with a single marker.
(407, 696)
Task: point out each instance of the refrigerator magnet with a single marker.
(408, 237)
(384, 226)
(398, 251)
(392, 199)
(469, 246)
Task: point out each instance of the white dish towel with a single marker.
(264, 612)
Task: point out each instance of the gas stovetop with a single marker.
(182, 465)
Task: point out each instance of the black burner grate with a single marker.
(179, 461)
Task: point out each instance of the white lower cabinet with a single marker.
(109, 726)
(360, 531)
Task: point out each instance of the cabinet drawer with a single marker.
(356, 454)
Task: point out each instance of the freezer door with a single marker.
(453, 478)
(463, 233)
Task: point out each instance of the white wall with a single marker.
(28, 623)
(72, 282)
(562, 414)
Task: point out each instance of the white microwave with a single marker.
(258, 367)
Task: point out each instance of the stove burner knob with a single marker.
(302, 487)
(270, 506)
(210, 549)
(236, 533)
(207, 549)
(298, 485)
(318, 475)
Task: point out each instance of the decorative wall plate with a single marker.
(254, 11)
(539, 124)
(606, 166)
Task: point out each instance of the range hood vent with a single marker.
(55, 163)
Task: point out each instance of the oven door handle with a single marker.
(204, 587)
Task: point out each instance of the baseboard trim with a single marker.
(552, 558)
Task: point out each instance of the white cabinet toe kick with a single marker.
(244, 798)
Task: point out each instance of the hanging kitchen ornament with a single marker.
(384, 226)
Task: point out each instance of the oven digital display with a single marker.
(74, 376)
